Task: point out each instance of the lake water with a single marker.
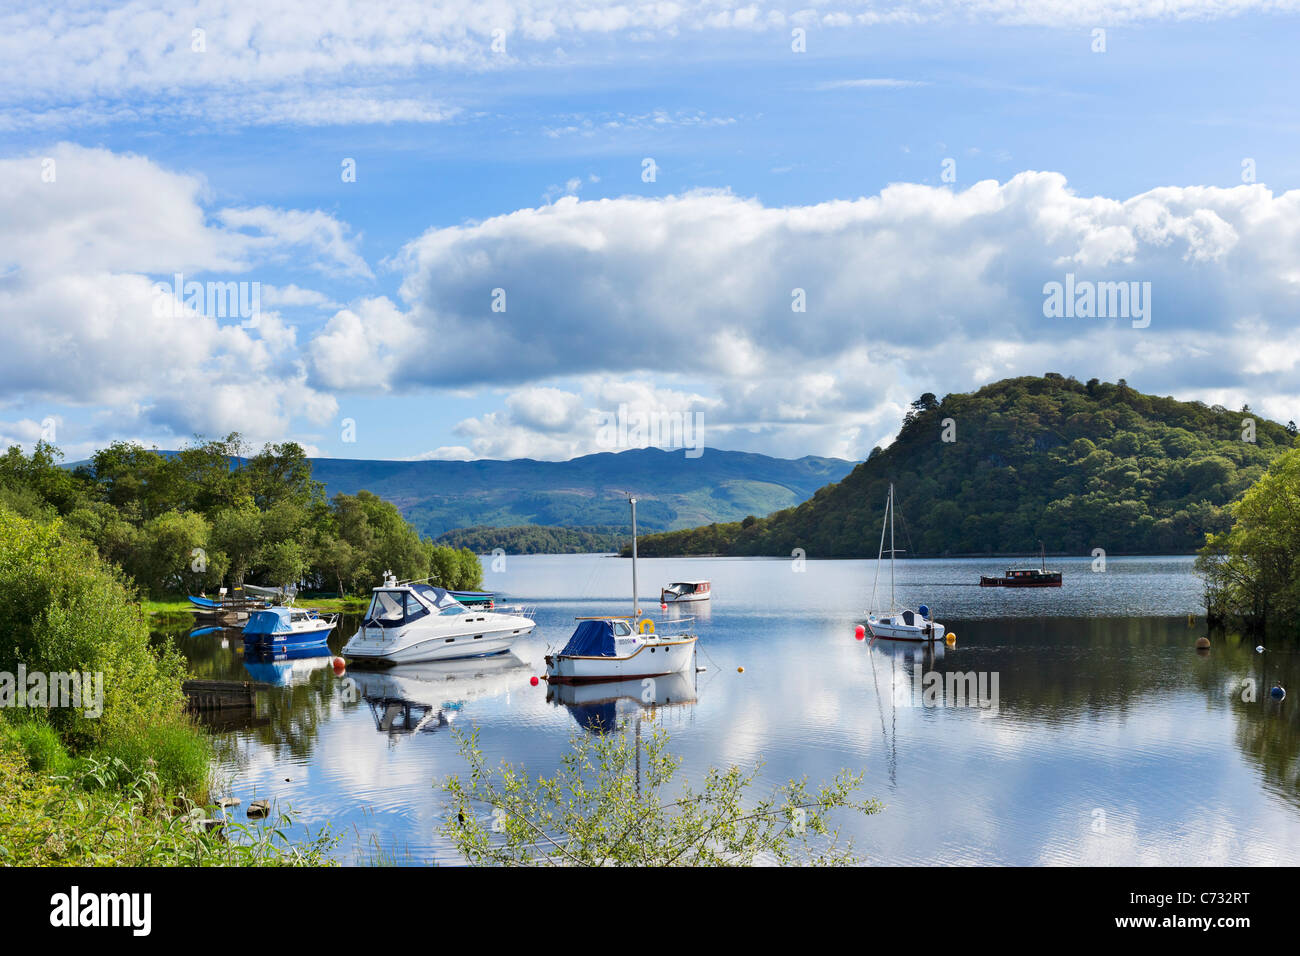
(1113, 741)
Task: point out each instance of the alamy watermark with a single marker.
(630, 427)
(222, 300)
(978, 689)
(59, 690)
(1085, 299)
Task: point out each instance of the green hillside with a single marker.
(537, 539)
(1034, 459)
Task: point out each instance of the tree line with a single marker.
(1075, 465)
(212, 514)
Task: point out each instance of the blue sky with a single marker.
(1170, 158)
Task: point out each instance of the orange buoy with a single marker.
(340, 665)
(1202, 643)
(740, 670)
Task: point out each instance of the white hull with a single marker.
(650, 659)
(666, 598)
(898, 631)
(438, 640)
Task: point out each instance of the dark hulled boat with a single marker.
(1025, 577)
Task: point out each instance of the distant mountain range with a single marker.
(673, 491)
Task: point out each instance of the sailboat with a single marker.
(897, 624)
(617, 648)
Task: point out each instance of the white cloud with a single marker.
(301, 63)
(80, 309)
(916, 289)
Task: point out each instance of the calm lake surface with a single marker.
(1113, 741)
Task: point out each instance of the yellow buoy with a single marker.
(740, 670)
(950, 638)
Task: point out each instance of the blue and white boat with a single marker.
(286, 630)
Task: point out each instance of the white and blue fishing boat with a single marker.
(289, 631)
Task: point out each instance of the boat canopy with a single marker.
(591, 639)
(272, 620)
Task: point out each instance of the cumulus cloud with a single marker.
(917, 288)
(87, 235)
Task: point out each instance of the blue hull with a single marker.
(317, 640)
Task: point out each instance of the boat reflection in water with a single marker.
(422, 698)
(598, 707)
(285, 670)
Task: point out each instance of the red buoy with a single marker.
(860, 632)
(340, 665)
(533, 681)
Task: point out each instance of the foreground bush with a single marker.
(63, 610)
(108, 815)
(615, 803)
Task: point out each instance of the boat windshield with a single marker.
(444, 602)
(393, 608)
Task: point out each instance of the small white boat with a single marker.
(616, 648)
(898, 624)
(411, 622)
(683, 591)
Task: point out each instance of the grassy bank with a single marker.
(59, 810)
(179, 604)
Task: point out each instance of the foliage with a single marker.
(209, 515)
(62, 610)
(537, 539)
(1034, 459)
(1252, 571)
(602, 809)
(110, 814)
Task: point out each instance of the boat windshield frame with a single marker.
(410, 605)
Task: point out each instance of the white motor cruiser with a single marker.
(410, 623)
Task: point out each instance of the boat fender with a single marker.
(1278, 692)
(647, 626)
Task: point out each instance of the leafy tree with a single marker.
(237, 533)
(1252, 571)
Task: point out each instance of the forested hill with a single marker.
(537, 539)
(1076, 466)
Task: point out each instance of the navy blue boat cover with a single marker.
(591, 639)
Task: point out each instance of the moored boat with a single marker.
(898, 624)
(616, 648)
(1038, 577)
(412, 622)
(288, 630)
(680, 592)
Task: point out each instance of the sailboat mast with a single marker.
(636, 607)
(891, 546)
(880, 556)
